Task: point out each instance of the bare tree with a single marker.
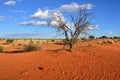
(80, 24)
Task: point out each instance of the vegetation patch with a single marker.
(1, 48)
(9, 40)
(31, 47)
(110, 41)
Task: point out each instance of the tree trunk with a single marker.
(71, 46)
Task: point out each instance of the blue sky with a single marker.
(20, 18)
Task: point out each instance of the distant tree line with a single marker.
(103, 37)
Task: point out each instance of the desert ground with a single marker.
(90, 60)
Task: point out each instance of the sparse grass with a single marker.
(31, 42)
(99, 42)
(47, 41)
(105, 42)
(116, 40)
(19, 44)
(1, 48)
(13, 44)
(110, 41)
(43, 42)
(38, 42)
(9, 40)
(89, 44)
(84, 39)
(31, 47)
(52, 40)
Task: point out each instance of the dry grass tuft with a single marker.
(31, 47)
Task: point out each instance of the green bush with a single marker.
(104, 37)
(110, 41)
(52, 40)
(84, 39)
(91, 37)
(65, 41)
(9, 40)
(31, 47)
(1, 49)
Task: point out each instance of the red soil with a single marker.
(100, 62)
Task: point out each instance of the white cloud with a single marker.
(10, 3)
(2, 18)
(110, 33)
(33, 23)
(41, 23)
(53, 23)
(40, 14)
(27, 23)
(89, 27)
(55, 16)
(18, 11)
(75, 7)
(97, 27)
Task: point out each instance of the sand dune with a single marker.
(100, 62)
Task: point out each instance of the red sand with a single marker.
(101, 62)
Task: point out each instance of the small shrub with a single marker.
(9, 40)
(52, 40)
(1, 49)
(31, 47)
(103, 37)
(24, 39)
(47, 41)
(84, 39)
(91, 37)
(116, 40)
(115, 37)
(110, 41)
(19, 44)
(99, 42)
(65, 41)
(38, 42)
(43, 42)
(13, 44)
(111, 37)
(105, 42)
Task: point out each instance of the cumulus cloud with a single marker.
(75, 7)
(40, 14)
(9, 3)
(110, 33)
(55, 16)
(97, 27)
(33, 23)
(68, 8)
(90, 27)
(2, 18)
